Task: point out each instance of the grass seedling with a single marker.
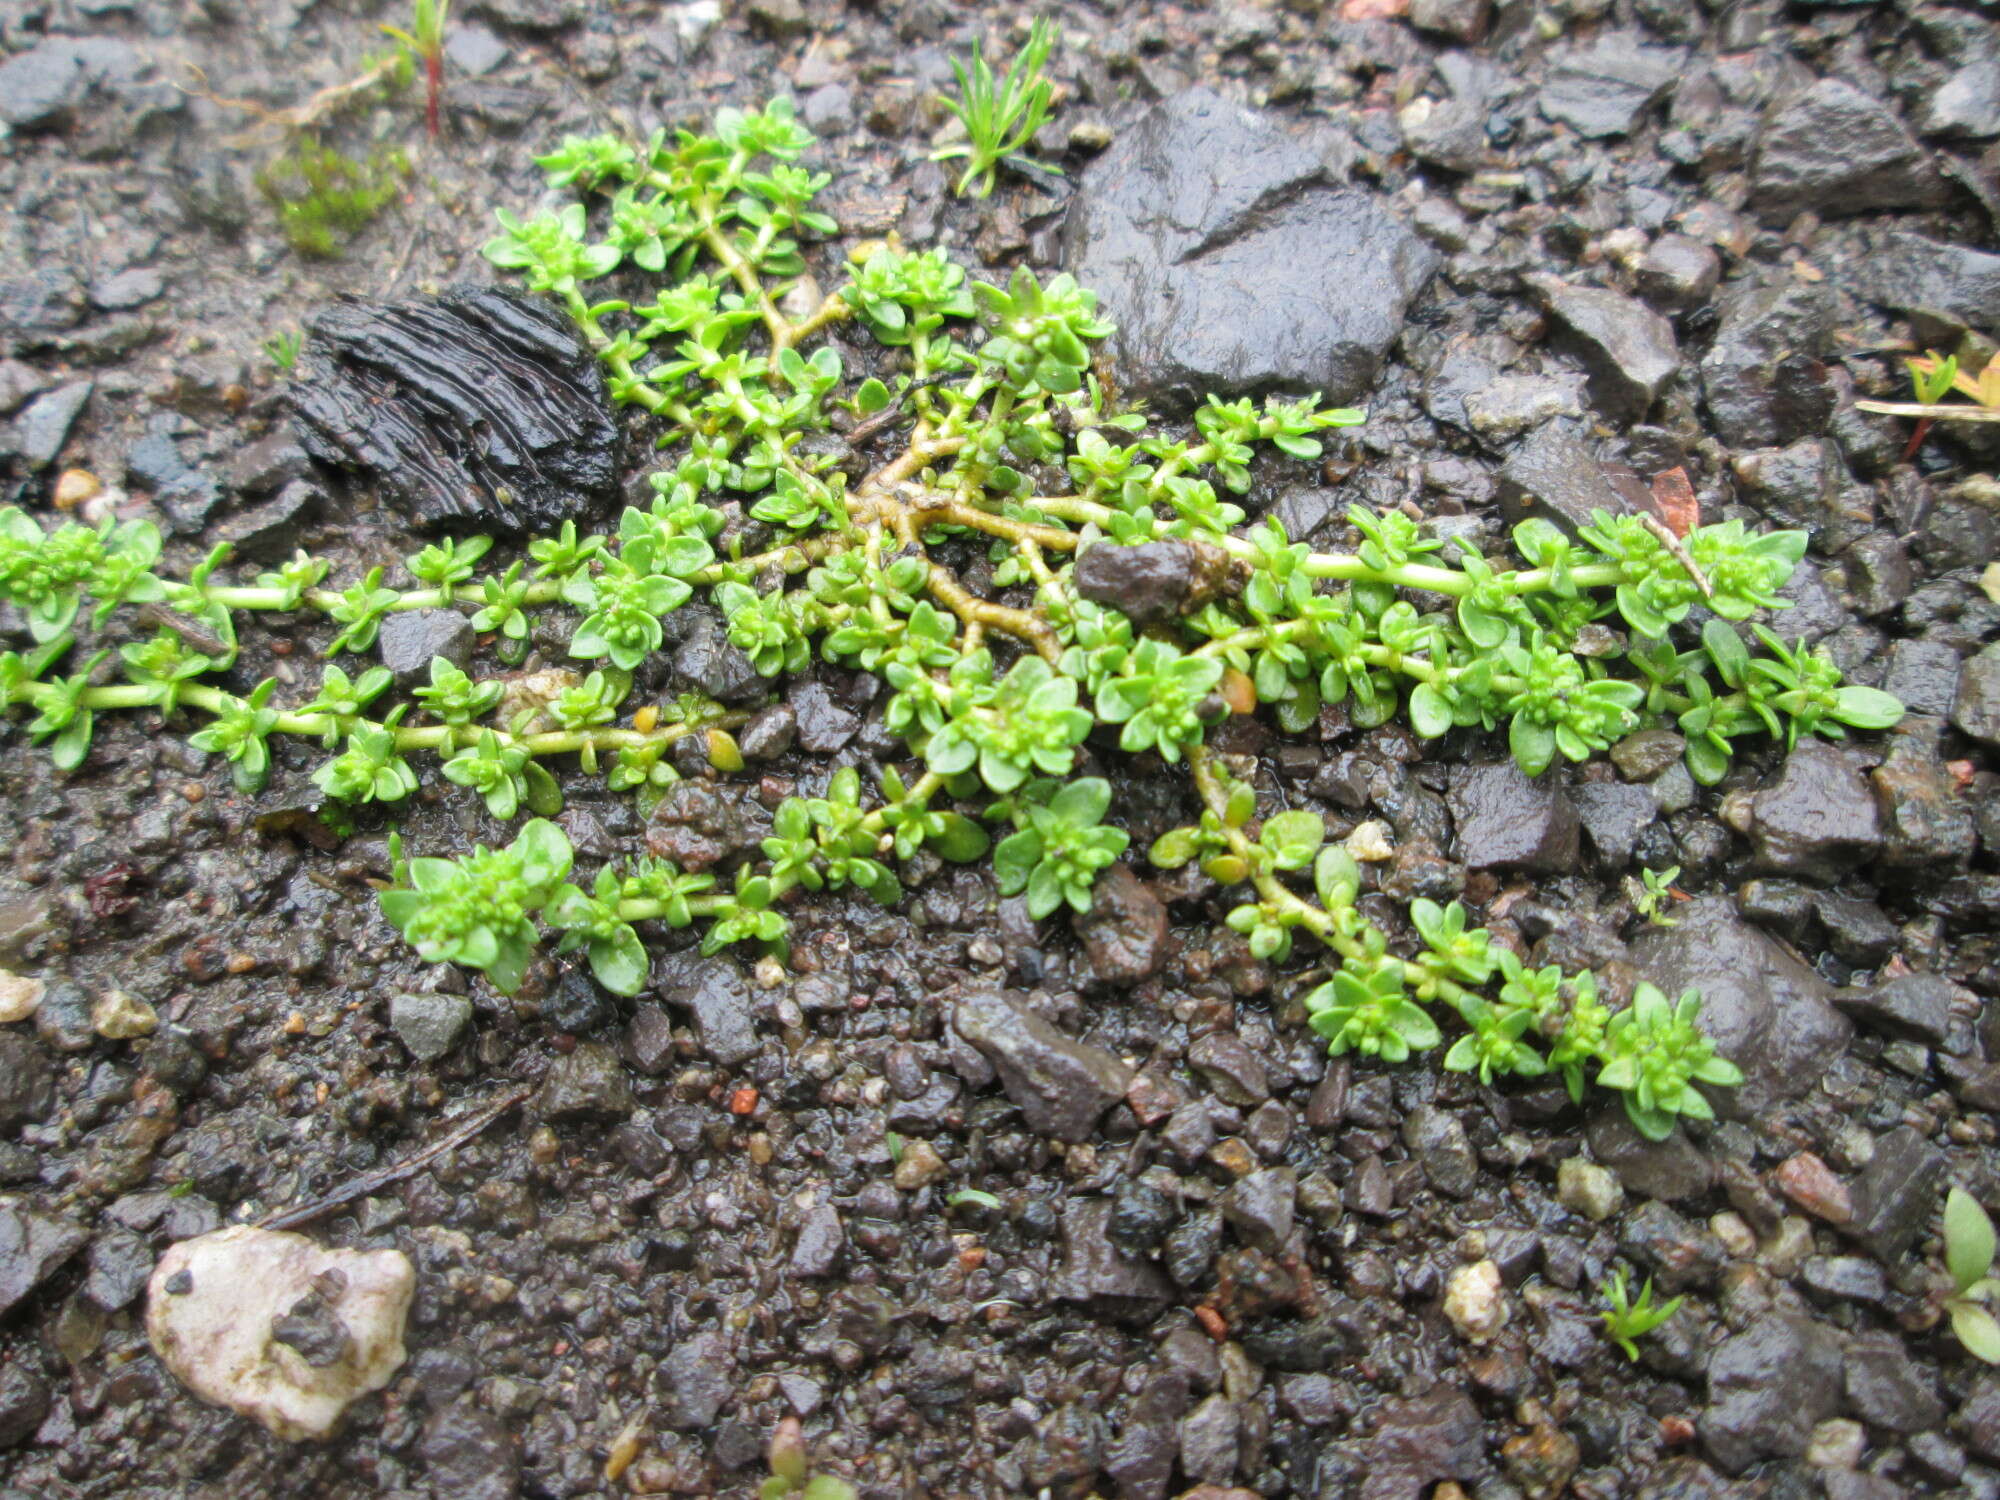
(1626, 1321)
(1968, 1256)
(283, 349)
(425, 39)
(1000, 119)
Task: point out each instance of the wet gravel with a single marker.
(1614, 237)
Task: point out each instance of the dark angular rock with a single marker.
(1768, 1387)
(1209, 1440)
(1060, 1085)
(697, 1373)
(477, 409)
(1125, 931)
(769, 734)
(1507, 821)
(718, 994)
(1924, 675)
(1981, 1415)
(1269, 276)
(1913, 1006)
(1947, 286)
(1763, 378)
(1837, 151)
(1976, 706)
(1420, 1440)
(1155, 581)
(1553, 474)
(410, 638)
(1141, 1461)
(1766, 1011)
(1679, 1252)
(1887, 1389)
(1614, 815)
(698, 824)
(41, 430)
(1439, 1143)
(27, 1082)
(824, 726)
(1261, 1207)
(24, 1402)
(32, 1246)
(1629, 349)
(1895, 1193)
(36, 308)
(817, 1249)
(589, 1083)
(707, 659)
(430, 1025)
(44, 86)
(1851, 1278)
(1678, 273)
(474, 50)
(1231, 1068)
(271, 530)
(1674, 1170)
(1818, 820)
(1601, 88)
(1094, 1266)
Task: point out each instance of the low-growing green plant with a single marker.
(1000, 118)
(1627, 1321)
(1968, 1258)
(791, 1470)
(675, 261)
(324, 197)
(1933, 377)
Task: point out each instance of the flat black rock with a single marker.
(474, 410)
(1232, 258)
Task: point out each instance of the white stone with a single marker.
(212, 1303)
(1369, 843)
(19, 996)
(1475, 1299)
(1837, 1443)
(1583, 1187)
(120, 1017)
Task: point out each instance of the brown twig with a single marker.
(300, 116)
(375, 1181)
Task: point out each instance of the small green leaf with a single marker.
(1968, 1239)
(1977, 1330)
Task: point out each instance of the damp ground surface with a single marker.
(1596, 241)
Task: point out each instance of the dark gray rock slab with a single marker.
(1507, 820)
(1602, 87)
(1818, 819)
(1838, 151)
(1768, 1386)
(1629, 349)
(1232, 258)
(1060, 1085)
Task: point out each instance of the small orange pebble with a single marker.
(1962, 772)
(1676, 1430)
(1211, 1321)
(743, 1101)
(1239, 692)
(295, 1024)
(76, 486)
(193, 791)
(971, 1257)
(281, 648)
(646, 718)
(320, 1093)
(240, 963)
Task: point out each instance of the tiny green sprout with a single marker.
(894, 1143)
(1968, 1257)
(974, 1196)
(1626, 1321)
(791, 1470)
(1653, 894)
(1000, 119)
(282, 348)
